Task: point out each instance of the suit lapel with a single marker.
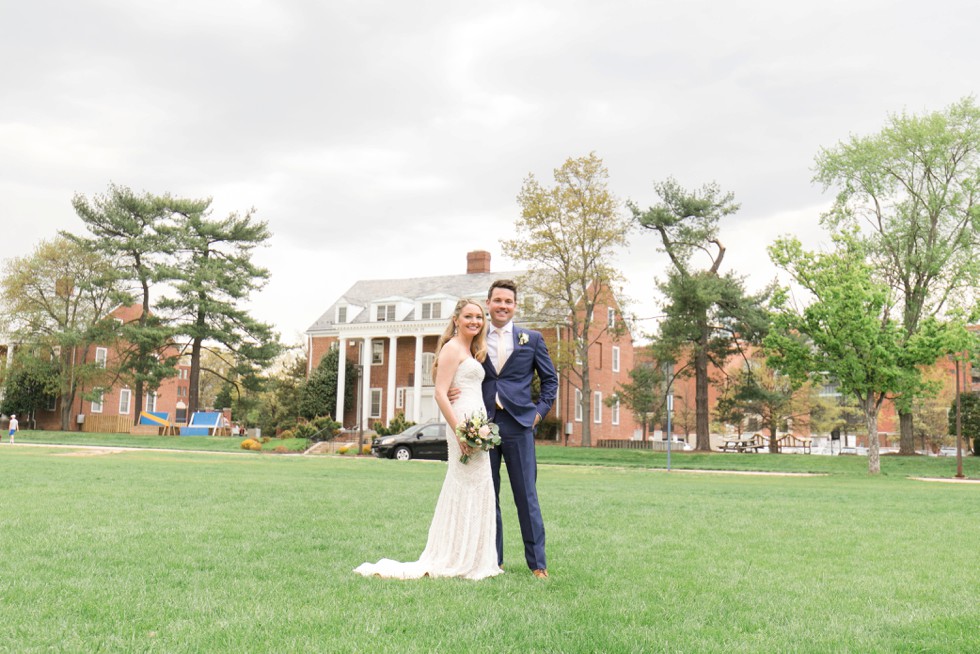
(513, 349)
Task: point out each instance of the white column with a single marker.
(366, 385)
(341, 379)
(392, 364)
(417, 389)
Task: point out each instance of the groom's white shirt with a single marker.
(493, 340)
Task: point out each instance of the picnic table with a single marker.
(740, 445)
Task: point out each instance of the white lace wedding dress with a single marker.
(462, 536)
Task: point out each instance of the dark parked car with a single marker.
(426, 441)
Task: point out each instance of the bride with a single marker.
(462, 536)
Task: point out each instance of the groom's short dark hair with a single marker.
(508, 284)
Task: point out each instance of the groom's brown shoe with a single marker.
(540, 574)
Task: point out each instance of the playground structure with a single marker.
(202, 423)
(207, 423)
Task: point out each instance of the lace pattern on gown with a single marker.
(462, 536)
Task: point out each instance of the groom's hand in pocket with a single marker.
(453, 394)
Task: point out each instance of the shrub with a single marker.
(548, 429)
(286, 433)
(343, 449)
(305, 430)
(266, 439)
(251, 444)
(397, 426)
(281, 449)
(366, 449)
(324, 429)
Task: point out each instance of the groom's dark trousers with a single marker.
(517, 450)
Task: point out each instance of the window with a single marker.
(386, 313)
(578, 405)
(428, 358)
(377, 353)
(181, 391)
(184, 374)
(125, 396)
(52, 403)
(97, 404)
(151, 402)
(615, 359)
(431, 310)
(615, 412)
(341, 314)
(597, 407)
(400, 398)
(101, 354)
(375, 402)
(611, 317)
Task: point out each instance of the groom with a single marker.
(513, 355)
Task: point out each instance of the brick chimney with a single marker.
(477, 261)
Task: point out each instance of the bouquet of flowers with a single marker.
(477, 432)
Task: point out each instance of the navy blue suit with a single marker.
(512, 385)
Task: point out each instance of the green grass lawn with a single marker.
(148, 551)
(192, 443)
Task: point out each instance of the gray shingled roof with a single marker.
(364, 292)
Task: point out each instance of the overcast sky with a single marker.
(385, 139)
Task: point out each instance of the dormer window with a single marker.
(385, 313)
(342, 314)
(431, 310)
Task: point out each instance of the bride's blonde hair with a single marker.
(478, 348)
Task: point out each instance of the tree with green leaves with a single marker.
(777, 399)
(914, 191)
(33, 379)
(319, 393)
(643, 395)
(846, 331)
(213, 276)
(708, 317)
(57, 299)
(567, 235)
(126, 228)
(969, 411)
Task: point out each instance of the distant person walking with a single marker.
(13, 427)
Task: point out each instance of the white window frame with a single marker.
(615, 358)
(611, 317)
(125, 393)
(384, 313)
(597, 407)
(101, 356)
(615, 412)
(400, 397)
(431, 310)
(342, 314)
(151, 402)
(375, 399)
(578, 406)
(97, 405)
(377, 353)
(428, 359)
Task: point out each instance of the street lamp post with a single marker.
(670, 432)
(959, 423)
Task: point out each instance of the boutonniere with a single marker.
(522, 339)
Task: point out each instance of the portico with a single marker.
(396, 363)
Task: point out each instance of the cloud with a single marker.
(381, 139)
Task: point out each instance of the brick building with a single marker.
(115, 410)
(390, 328)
